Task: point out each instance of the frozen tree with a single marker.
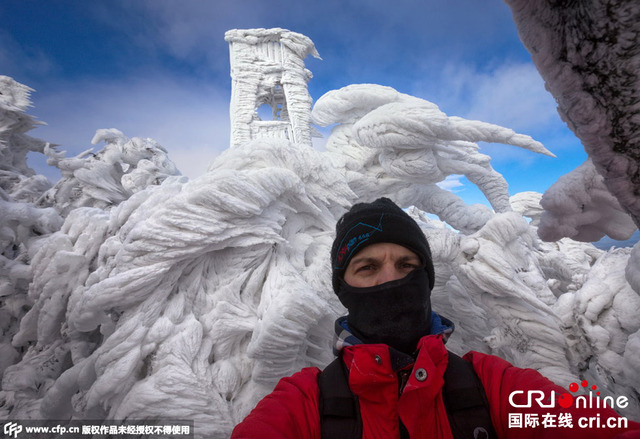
(588, 53)
(580, 206)
(22, 225)
(48, 243)
(106, 178)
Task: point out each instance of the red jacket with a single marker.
(291, 410)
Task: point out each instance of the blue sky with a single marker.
(160, 69)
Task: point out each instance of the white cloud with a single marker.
(452, 183)
(192, 32)
(511, 94)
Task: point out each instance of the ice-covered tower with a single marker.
(268, 73)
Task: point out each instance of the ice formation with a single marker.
(144, 295)
(267, 69)
(580, 206)
(23, 226)
(106, 178)
(400, 140)
(589, 56)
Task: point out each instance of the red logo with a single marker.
(342, 253)
(566, 400)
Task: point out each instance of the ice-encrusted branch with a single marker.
(588, 53)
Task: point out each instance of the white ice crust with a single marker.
(580, 206)
(136, 293)
(589, 56)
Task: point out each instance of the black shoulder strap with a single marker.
(466, 402)
(463, 395)
(339, 408)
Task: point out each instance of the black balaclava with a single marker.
(397, 313)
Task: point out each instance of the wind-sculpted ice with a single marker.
(204, 293)
(104, 179)
(23, 226)
(388, 140)
(589, 56)
(15, 144)
(19, 181)
(603, 326)
(190, 299)
(580, 206)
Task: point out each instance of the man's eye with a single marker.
(365, 268)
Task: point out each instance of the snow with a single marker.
(580, 206)
(129, 291)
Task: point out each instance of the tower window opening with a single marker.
(265, 112)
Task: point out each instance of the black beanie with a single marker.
(369, 223)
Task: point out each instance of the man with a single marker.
(391, 349)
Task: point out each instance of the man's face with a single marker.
(380, 263)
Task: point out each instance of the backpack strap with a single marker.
(466, 402)
(339, 408)
(463, 395)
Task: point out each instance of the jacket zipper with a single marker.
(403, 378)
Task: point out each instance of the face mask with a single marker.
(396, 313)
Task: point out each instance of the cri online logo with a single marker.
(567, 400)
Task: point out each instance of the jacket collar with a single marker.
(343, 336)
